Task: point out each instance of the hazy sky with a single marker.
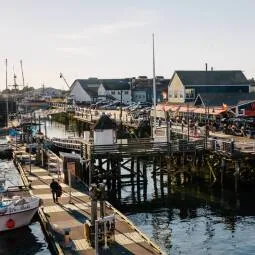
(113, 38)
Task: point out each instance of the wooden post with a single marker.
(138, 178)
(118, 170)
(108, 178)
(132, 179)
(154, 178)
(145, 180)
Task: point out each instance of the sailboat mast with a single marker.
(23, 79)
(6, 87)
(154, 85)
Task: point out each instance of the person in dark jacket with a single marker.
(54, 190)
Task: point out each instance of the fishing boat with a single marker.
(17, 207)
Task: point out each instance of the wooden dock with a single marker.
(70, 216)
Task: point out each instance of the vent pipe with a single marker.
(206, 67)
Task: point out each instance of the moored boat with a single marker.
(17, 211)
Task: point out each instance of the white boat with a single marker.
(17, 211)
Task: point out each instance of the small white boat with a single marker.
(17, 207)
(17, 211)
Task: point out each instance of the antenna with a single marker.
(23, 80)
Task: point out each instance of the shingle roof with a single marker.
(230, 99)
(104, 122)
(233, 77)
(89, 85)
(116, 84)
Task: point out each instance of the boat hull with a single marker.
(20, 219)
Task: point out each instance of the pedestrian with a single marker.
(54, 190)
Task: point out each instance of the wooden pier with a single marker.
(64, 222)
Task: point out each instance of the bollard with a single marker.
(87, 226)
(67, 239)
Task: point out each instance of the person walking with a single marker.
(54, 190)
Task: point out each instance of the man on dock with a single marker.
(54, 190)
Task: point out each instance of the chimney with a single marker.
(206, 67)
(211, 68)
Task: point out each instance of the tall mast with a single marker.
(23, 80)
(6, 87)
(154, 84)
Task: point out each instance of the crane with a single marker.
(61, 76)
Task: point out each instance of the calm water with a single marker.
(181, 220)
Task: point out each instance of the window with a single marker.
(119, 92)
(190, 93)
(113, 92)
(126, 92)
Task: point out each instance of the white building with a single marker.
(104, 131)
(85, 90)
(116, 88)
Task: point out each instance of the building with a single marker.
(92, 89)
(186, 85)
(241, 104)
(142, 89)
(85, 90)
(119, 89)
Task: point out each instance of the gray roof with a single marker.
(116, 84)
(104, 123)
(89, 85)
(230, 99)
(233, 77)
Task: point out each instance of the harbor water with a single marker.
(190, 219)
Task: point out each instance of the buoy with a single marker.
(10, 223)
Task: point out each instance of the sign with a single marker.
(71, 168)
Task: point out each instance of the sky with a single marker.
(113, 38)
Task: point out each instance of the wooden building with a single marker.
(186, 85)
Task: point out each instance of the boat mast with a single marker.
(154, 85)
(23, 80)
(7, 100)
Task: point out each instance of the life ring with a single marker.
(10, 223)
